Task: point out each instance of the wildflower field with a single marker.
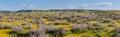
(60, 24)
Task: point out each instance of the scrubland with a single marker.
(60, 24)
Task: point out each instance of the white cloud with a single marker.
(97, 4)
(32, 6)
(29, 6)
(89, 5)
(4, 8)
(45, 9)
(106, 3)
(72, 6)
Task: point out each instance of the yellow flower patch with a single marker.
(29, 19)
(15, 23)
(116, 23)
(92, 22)
(111, 29)
(102, 34)
(4, 35)
(105, 24)
(4, 32)
(87, 35)
(34, 26)
(47, 22)
(67, 27)
(44, 19)
(24, 31)
(4, 23)
(73, 35)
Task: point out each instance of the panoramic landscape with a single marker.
(61, 18)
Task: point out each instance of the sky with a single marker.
(59, 4)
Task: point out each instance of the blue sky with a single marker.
(59, 4)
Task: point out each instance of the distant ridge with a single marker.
(60, 10)
(4, 11)
(51, 10)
